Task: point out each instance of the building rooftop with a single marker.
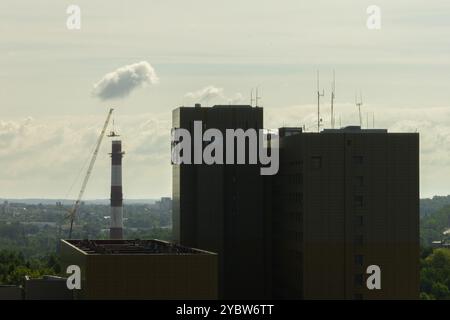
(137, 246)
(219, 106)
(291, 131)
(354, 129)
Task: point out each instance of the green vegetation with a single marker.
(435, 274)
(14, 267)
(434, 263)
(430, 206)
(434, 224)
(29, 234)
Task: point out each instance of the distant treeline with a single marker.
(429, 206)
(435, 219)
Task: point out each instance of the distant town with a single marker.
(34, 226)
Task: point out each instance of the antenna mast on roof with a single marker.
(359, 104)
(257, 97)
(333, 87)
(251, 97)
(318, 101)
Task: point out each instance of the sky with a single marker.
(55, 83)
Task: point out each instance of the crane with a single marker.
(76, 205)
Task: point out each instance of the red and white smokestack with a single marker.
(116, 229)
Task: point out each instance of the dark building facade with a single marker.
(46, 288)
(221, 208)
(345, 199)
(140, 269)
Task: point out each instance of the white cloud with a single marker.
(42, 157)
(122, 81)
(205, 94)
(238, 98)
(211, 92)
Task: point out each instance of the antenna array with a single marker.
(318, 101)
(333, 88)
(359, 104)
(257, 97)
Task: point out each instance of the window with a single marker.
(358, 181)
(359, 279)
(299, 218)
(298, 178)
(359, 201)
(359, 260)
(299, 236)
(316, 162)
(359, 240)
(358, 160)
(359, 221)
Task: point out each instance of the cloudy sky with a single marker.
(147, 57)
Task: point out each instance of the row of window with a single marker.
(296, 236)
(359, 279)
(296, 163)
(359, 240)
(293, 197)
(316, 161)
(295, 178)
(358, 201)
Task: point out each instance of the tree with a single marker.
(435, 275)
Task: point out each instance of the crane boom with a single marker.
(76, 205)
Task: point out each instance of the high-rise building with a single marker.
(345, 199)
(221, 208)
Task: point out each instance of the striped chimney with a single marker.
(116, 229)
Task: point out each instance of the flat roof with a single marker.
(198, 106)
(354, 129)
(290, 131)
(136, 246)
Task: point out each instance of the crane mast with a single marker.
(76, 205)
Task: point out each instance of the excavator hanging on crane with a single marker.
(76, 205)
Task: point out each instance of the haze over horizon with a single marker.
(56, 84)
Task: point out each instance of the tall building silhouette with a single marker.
(345, 199)
(221, 208)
